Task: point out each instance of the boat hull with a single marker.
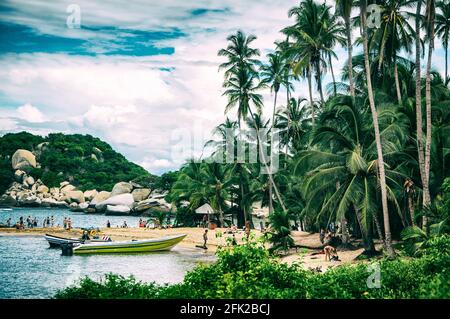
(56, 242)
(138, 246)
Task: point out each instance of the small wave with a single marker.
(5, 209)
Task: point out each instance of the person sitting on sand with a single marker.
(124, 224)
(330, 253)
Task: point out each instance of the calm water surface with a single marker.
(29, 269)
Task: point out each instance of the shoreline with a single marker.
(310, 258)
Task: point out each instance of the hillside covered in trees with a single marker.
(86, 161)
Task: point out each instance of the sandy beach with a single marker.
(310, 257)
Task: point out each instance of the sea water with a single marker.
(30, 269)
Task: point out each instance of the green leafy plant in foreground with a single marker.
(248, 271)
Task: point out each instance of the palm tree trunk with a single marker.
(426, 189)
(387, 227)
(369, 247)
(419, 125)
(446, 62)
(270, 183)
(397, 83)
(350, 57)
(311, 96)
(332, 74)
(269, 171)
(411, 208)
(319, 81)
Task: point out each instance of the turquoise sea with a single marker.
(30, 269)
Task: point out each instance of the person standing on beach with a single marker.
(108, 224)
(52, 221)
(247, 229)
(205, 238)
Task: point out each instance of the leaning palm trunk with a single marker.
(426, 187)
(397, 83)
(268, 170)
(382, 175)
(350, 57)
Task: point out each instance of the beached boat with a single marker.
(56, 241)
(133, 246)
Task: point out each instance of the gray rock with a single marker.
(100, 197)
(90, 194)
(118, 200)
(140, 194)
(121, 188)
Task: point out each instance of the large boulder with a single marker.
(100, 197)
(121, 188)
(68, 188)
(139, 194)
(75, 197)
(62, 184)
(74, 207)
(117, 210)
(122, 200)
(42, 189)
(89, 195)
(145, 204)
(23, 160)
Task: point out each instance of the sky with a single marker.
(140, 74)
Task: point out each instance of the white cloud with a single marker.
(30, 113)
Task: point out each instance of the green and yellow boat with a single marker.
(133, 246)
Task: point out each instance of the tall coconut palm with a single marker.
(344, 9)
(381, 167)
(430, 31)
(443, 29)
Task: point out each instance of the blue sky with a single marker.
(140, 74)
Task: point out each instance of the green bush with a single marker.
(247, 271)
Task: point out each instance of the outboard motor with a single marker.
(67, 249)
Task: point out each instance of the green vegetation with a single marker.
(371, 152)
(248, 271)
(86, 161)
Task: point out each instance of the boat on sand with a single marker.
(57, 241)
(133, 246)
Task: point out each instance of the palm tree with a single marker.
(344, 9)
(443, 28)
(340, 170)
(272, 74)
(239, 53)
(294, 122)
(381, 168)
(394, 35)
(429, 17)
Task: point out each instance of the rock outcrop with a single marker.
(23, 160)
(125, 197)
